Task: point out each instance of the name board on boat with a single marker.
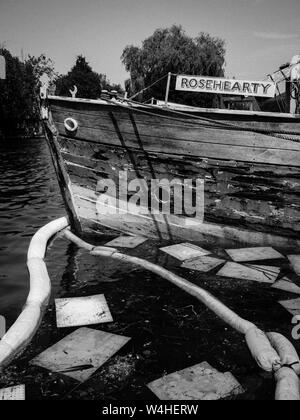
(2, 67)
(265, 89)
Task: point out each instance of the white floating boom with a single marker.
(23, 330)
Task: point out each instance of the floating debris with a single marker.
(292, 306)
(14, 393)
(295, 262)
(127, 241)
(203, 264)
(260, 273)
(79, 311)
(253, 254)
(200, 382)
(287, 285)
(81, 353)
(185, 251)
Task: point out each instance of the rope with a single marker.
(295, 90)
(279, 103)
(147, 87)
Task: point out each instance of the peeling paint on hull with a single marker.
(252, 181)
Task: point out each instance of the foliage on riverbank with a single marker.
(19, 114)
(166, 50)
(19, 93)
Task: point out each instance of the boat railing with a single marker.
(287, 101)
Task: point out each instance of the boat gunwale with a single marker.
(199, 110)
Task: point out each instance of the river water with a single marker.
(170, 330)
(29, 199)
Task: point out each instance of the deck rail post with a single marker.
(168, 88)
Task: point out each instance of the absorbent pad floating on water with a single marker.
(253, 254)
(81, 353)
(80, 311)
(14, 393)
(295, 263)
(200, 382)
(203, 264)
(185, 251)
(287, 286)
(260, 273)
(292, 306)
(126, 242)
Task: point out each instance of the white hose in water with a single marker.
(287, 385)
(285, 349)
(269, 353)
(22, 331)
(262, 351)
(257, 341)
(287, 380)
(205, 297)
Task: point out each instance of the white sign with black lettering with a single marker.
(201, 84)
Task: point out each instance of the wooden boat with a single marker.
(249, 161)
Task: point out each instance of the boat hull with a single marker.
(249, 165)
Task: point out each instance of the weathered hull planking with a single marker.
(250, 164)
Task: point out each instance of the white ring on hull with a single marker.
(70, 124)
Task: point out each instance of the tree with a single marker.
(171, 50)
(36, 68)
(43, 65)
(88, 82)
(19, 110)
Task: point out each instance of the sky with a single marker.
(260, 35)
